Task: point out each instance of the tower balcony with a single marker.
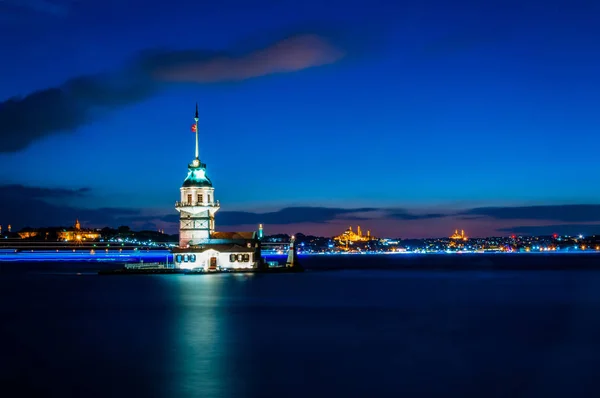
(197, 204)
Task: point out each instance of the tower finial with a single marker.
(196, 117)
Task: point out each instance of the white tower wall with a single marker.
(197, 205)
(197, 209)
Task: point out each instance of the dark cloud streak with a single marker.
(565, 213)
(47, 7)
(81, 100)
(285, 216)
(24, 206)
(21, 191)
(562, 229)
(405, 215)
(39, 206)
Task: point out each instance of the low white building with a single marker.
(224, 251)
(201, 248)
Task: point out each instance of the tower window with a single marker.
(232, 258)
(208, 198)
(199, 198)
(189, 198)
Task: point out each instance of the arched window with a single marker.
(186, 258)
(240, 257)
(178, 258)
(232, 258)
(246, 258)
(192, 258)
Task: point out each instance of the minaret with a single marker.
(197, 206)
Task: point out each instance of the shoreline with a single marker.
(161, 256)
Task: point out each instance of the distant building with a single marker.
(77, 234)
(350, 237)
(457, 240)
(200, 246)
(457, 236)
(350, 240)
(27, 233)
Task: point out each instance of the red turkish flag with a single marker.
(193, 128)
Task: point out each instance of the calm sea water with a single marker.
(346, 333)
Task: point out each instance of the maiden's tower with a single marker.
(201, 248)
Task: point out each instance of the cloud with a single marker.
(405, 215)
(289, 55)
(83, 99)
(64, 109)
(55, 7)
(288, 215)
(21, 191)
(471, 217)
(40, 206)
(30, 206)
(565, 213)
(311, 215)
(561, 229)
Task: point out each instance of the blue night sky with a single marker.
(411, 118)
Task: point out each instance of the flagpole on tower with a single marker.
(196, 119)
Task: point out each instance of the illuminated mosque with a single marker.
(457, 240)
(459, 236)
(349, 237)
(200, 246)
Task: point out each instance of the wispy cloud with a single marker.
(285, 216)
(566, 213)
(562, 229)
(40, 206)
(55, 7)
(31, 206)
(74, 103)
(289, 55)
(19, 191)
(399, 214)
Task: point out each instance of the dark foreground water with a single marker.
(344, 333)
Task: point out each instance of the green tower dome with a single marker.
(196, 176)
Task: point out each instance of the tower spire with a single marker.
(196, 119)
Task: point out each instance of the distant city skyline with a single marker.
(411, 119)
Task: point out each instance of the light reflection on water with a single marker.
(350, 334)
(201, 339)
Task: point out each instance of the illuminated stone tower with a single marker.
(197, 205)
